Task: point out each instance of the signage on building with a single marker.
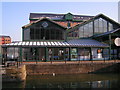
(44, 24)
(117, 41)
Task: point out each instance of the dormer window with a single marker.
(69, 16)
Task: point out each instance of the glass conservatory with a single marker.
(45, 40)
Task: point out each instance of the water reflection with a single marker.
(69, 81)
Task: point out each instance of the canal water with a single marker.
(68, 81)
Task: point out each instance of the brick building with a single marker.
(66, 20)
(5, 39)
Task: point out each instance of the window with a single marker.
(106, 54)
(110, 27)
(47, 34)
(74, 55)
(56, 54)
(81, 31)
(86, 30)
(104, 26)
(83, 54)
(101, 26)
(12, 53)
(96, 26)
(33, 54)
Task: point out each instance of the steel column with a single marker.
(69, 53)
(20, 55)
(46, 54)
(110, 46)
(93, 28)
(91, 54)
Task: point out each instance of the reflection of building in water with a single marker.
(101, 84)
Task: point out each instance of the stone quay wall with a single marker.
(14, 74)
(72, 68)
(18, 74)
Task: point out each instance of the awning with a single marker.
(70, 43)
(38, 44)
(87, 43)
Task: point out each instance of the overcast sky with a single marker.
(16, 14)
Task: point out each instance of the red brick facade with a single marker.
(5, 40)
(62, 23)
(61, 19)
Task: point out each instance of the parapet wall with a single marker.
(75, 68)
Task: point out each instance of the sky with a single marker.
(16, 14)
(119, 12)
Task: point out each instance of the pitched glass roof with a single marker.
(92, 19)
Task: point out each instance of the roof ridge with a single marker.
(60, 14)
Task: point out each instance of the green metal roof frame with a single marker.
(92, 19)
(30, 24)
(107, 33)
